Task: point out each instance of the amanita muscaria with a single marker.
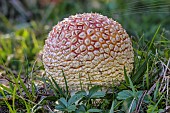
(90, 49)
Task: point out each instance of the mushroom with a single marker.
(90, 49)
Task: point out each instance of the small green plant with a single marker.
(80, 102)
(131, 98)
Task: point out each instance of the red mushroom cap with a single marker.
(90, 48)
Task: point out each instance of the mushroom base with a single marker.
(84, 81)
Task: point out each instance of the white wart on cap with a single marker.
(90, 48)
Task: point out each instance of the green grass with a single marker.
(146, 89)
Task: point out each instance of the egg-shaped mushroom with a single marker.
(90, 48)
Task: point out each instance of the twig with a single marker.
(153, 87)
(50, 109)
(167, 93)
(164, 74)
(131, 105)
(140, 102)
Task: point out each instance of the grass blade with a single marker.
(126, 76)
(13, 98)
(132, 87)
(58, 87)
(153, 38)
(67, 91)
(6, 102)
(140, 72)
(112, 107)
(156, 105)
(25, 89)
(147, 76)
